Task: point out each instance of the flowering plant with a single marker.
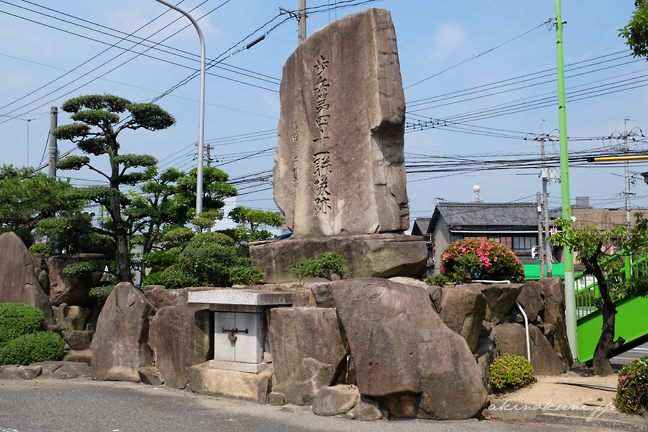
(481, 259)
(632, 390)
(510, 371)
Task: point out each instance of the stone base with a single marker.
(373, 255)
(238, 366)
(203, 379)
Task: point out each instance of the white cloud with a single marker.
(449, 38)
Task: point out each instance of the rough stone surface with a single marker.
(41, 271)
(531, 299)
(241, 385)
(369, 409)
(28, 372)
(8, 372)
(78, 339)
(335, 400)
(553, 293)
(304, 297)
(307, 350)
(485, 354)
(71, 370)
(500, 299)
(436, 295)
(82, 356)
(119, 346)
(19, 283)
(151, 376)
(511, 339)
(160, 297)
(179, 338)
(376, 255)
(342, 105)
(276, 399)
(463, 309)
(73, 290)
(404, 355)
(322, 295)
(71, 317)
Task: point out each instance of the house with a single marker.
(513, 225)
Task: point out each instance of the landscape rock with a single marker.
(553, 293)
(531, 299)
(151, 376)
(81, 356)
(41, 270)
(307, 349)
(405, 356)
(160, 297)
(500, 299)
(463, 309)
(71, 289)
(511, 339)
(369, 409)
(242, 385)
(322, 295)
(70, 317)
(78, 339)
(335, 400)
(19, 283)
(63, 370)
(276, 399)
(374, 255)
(304, 297)
(485, 355)
(119, 346)
(179, 338)
(9, 372)
(342, 105)
(29, 372)
(436, 295)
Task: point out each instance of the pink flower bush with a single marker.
(481, 259)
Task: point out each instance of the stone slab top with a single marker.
(239, 297)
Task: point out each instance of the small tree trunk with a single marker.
(123, 256)
(606, 343)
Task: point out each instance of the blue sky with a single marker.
(489, 99)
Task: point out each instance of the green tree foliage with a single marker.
(95, 133)
(27, 198)
(636, 31)
(593, 247)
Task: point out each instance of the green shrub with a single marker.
(325, 265)
(32, 348)
(439, 280)
(42, 248)
(632, 390)
(481, 259)
(510, 372)
(101, 292)
(18, 319)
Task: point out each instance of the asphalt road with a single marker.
(88, 406)
(628, 356)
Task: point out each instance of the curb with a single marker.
(594, 416)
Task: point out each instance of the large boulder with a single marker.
(307, 350)
(405, 356)
(500, 299)
(342, 106)
(71, 289)
(119, 346)
(463, 309)
(335, 400)
(553, 293)
(531, 299)
(41, 270)
(179, 338)
(511, 339)
(70, 317)
(18, 280)
(160, 296)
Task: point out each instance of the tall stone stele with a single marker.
(339, 174)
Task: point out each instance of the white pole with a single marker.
(201, 121)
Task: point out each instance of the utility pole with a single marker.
(627, 173)
(540, 242)
(53, 147)
(570, 306)
(207, 155)
(302, 22)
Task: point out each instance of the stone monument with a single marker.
(339, 174)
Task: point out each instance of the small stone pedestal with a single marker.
(239, 330)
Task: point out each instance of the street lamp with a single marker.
(201, 120)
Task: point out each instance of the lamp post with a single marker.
(201, 120)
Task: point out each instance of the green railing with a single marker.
(631, 319)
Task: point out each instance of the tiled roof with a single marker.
(520, 214)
